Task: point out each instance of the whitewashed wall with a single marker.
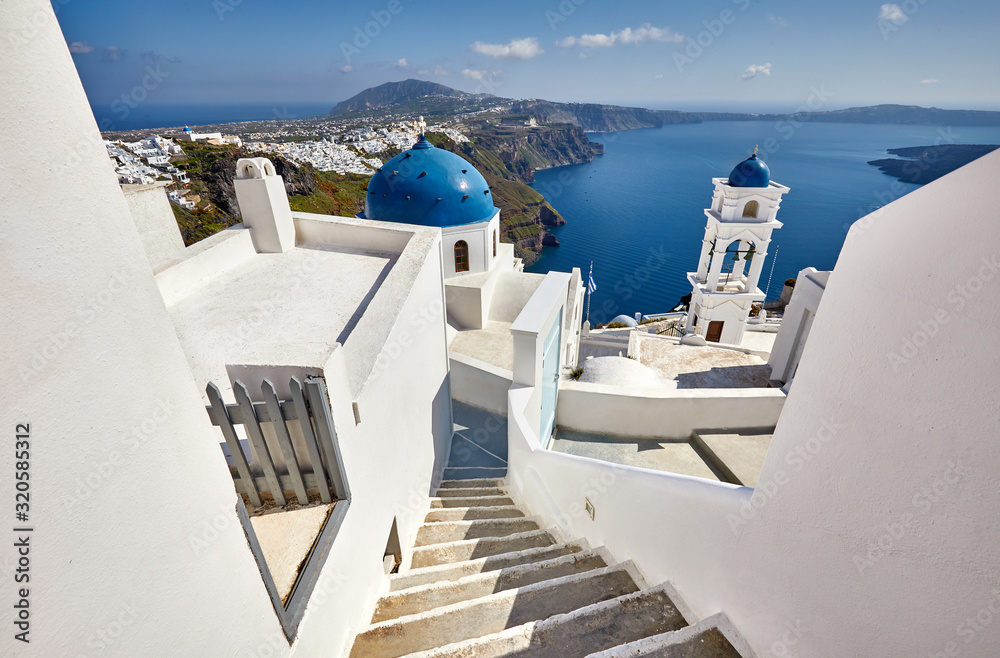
(674, 414)
(126, 473)
(155, 220)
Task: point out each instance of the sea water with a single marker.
(638, 211)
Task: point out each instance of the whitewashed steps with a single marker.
(434, 595)
(469, 492)
(490, 614)
(438, 532)
(461, 472)
(577, 633)
(472, 484)
(456, 570)
(470, 549)
(473, 513)
(472, 501)
(702, 640)
(484, 580)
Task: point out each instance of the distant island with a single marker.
(922, 164)
(431, 99)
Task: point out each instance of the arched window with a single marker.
(494, 243)
(461, 256)
(751, 209)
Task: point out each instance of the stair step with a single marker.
(425, 597)
(469, 492)
(456, 570)
(690, 642)
(471, 501)
(575, 634)
(473, 513)
(472, 484)
(460, 472)
(469, 549)
(440, 532)
(491, 614)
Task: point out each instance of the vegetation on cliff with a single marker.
(506, 157)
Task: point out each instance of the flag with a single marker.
(591, 286)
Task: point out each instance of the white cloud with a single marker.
(777, 21)
(892, 13)
(757, 69)
(401, 63)
(517, 49)
(81, 48)
(627, 36)
(347, 68)
(658, 76)
(930, 81)
(440, 70)
(474, 75)
(113, 54)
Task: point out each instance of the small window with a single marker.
(494, 243)
(751, 209)
(461, 256)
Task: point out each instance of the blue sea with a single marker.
(119, 116)
(638, 213)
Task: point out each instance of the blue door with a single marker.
(550, 380)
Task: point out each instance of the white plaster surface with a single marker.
(137, 532)
(276, 309)
(691, 366)
(758, 341)
(492, 344)
(619, 371)
(151, 212)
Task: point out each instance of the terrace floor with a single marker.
(289, 309)
(732, 456)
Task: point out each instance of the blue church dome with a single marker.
(429, 186)
(750, 173)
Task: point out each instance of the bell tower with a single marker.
(737, 235)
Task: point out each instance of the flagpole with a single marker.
(589, 279)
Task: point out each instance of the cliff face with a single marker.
(507, 157)
(593, 117)
(523, 150)
(211, 170)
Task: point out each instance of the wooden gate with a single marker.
(714, 333)
(319, 470)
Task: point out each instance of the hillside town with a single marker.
(345, 150)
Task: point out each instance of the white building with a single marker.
(741, 219)
(871, 530)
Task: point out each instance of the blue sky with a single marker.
(739, 54)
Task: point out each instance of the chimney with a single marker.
(260, 193)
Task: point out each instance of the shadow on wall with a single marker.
(441, 426)
(727, 377)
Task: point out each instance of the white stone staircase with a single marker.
(485, 580)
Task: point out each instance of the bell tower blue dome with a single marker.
(429, 186)
(750, 173)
